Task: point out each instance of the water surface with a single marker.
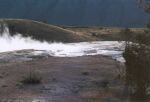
(122, 13)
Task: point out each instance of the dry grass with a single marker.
(32, 78)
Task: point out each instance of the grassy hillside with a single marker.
(42, 31)
(108, 33)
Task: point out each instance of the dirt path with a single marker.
(80, 79)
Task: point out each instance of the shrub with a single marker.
(32, 79)
(146, 31)
(126, 34)
(137, 63)
(143, 39)
(93, 34)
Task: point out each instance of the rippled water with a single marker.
(125, 13)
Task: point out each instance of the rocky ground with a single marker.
(78, 79)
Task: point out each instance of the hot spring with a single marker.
(113, 49)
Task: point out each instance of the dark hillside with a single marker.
(42, 31)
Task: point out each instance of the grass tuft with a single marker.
(32, 79)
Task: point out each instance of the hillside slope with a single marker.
(42, 31)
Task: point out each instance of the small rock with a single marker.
(54, 79)
(105, 83)
(85, 73)
(1, 76)
(4, 86)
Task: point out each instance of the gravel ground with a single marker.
(78, 79)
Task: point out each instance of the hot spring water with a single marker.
(58, 49)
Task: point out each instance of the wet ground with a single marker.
(79, 79)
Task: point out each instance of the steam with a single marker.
(18, 42)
